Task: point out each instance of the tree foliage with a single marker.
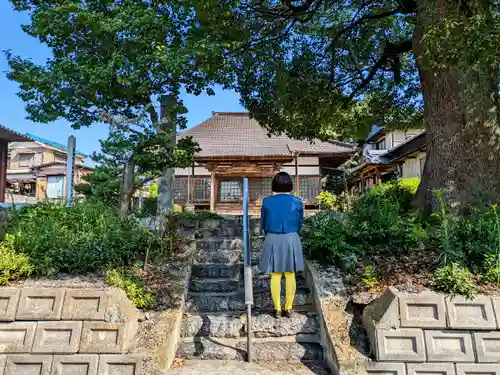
(333, 68)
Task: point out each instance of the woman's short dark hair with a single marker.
(282, 183)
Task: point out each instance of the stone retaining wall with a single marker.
(76, 331)
(427, 333)
(46, 331)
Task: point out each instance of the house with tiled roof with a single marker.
(36, 169)
(233, 146)
(388, 156)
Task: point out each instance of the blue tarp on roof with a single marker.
(48, 142)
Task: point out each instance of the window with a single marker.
(381, 145)
(229, 191)
(309, 187)
(60, 158)
(202, 188)
(26, 160)
(422, 164)
(259, 188)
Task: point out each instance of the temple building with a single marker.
(234, 146)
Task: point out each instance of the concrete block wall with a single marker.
(62, 331)
(416, 334)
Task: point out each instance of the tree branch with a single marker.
(391, 51)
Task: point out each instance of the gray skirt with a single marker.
(281, 252)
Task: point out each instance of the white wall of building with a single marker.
(412, 167)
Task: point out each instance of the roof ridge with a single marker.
(50, 143)
(217, 113)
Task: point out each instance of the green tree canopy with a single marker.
(333, 68)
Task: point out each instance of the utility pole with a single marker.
(70, 169)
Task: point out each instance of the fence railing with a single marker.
(247, 257)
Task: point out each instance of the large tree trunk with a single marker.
(127, 188)
(462, 134)
(166, 183)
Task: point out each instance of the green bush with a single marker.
(13, 265)
(325, 238)
(380, 222)
(453, 279)
(469, 236)
(133, 286)
(89, 237)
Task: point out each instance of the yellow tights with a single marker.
(290, 288)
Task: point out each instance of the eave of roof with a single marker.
(12, 136)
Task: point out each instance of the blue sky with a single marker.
(13, 115)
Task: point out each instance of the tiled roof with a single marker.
(11, 135)
(50, 143)
(236, 134)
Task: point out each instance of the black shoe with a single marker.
(277, 314)
(287, 313)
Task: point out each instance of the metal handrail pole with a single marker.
(247, 258)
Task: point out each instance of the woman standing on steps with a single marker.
(281, 218)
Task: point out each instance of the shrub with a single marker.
(133, 286)
(325, 238)
(381, 221)
(13, 265)
(332, 202)
(454, 279)
(469, 235)
(89, 237)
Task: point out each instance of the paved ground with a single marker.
(244, 368)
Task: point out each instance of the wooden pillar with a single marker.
(213, 192)
(378, 177)
(4, 150)
(297, 177)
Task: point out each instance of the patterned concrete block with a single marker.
(84, 305)
(404, 344)
(104, 338)
(477, 369)
(3, 359)
(430, 369)
(422, 311)
(476, 314)
(386, 368)
(40, 304)
(28, 365)
(383, 313)
(454, 346)
(487, 346)
(496, 308)
(9, 298)
(16, 337)
(75, 365)
(119, 365)
(57, 337)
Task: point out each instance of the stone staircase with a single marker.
(215, 324)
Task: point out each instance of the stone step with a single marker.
(219, 257)
(235, 301)
(214, 285)
(211, 270)
(221, 285)
(286, 349)
(235, 325)
(212, 367)
(226, 231)
(214, 244)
